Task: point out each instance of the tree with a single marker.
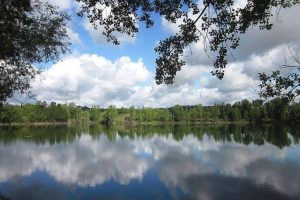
(95, 114)
(31, 32)
(277, 109)
(282, 85)
(197, 113)
(234, 114)
(294, 114)
(180, 113)
(218, 22)
(110, 115)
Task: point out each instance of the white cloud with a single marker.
(74, 36)
(271, 60)
(62, 4)
(234, 80)
(170, 27)
(285, 31)
(90, 80)
(94, 80)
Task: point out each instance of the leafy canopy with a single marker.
(31, 32)
(286, 85)
(219, 22)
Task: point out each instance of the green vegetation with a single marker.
(275, 111)
(31, 33)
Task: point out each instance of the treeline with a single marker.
(276, 110)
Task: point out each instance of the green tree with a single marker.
(215, 112)
(110, 115)
(132, 113)
(163, 115)
(10, 113)
(31, 32)
(282, 85)
(294, 114)
(245, 109)
(234, 114)
(197, 113)
(95, 114)
(278, 85)
(180, 113)
(277, 109)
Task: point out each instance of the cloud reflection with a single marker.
(85, 162)
(196, 167)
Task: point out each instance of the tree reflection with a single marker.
(202, 162)
(279, 136)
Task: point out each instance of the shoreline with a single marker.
(133, 123)
(34, 123)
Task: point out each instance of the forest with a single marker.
(277, 110)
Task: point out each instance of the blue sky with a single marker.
(98, 73)
(141, 46)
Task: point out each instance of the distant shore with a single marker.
(33, 123)
(127, 123)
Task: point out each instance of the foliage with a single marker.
(278, 85)
(276, 111)
(218, 22)
(109, 115)
(31, 32)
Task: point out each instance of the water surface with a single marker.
(149, 162)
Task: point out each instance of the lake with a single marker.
(149, 162)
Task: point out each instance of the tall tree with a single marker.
(31, 32)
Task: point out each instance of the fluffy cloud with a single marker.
(271, 60)
(90, 80)
(94, 80)
(285, 31)
(234, 80)
(166, 96)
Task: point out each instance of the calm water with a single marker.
(209, 162)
